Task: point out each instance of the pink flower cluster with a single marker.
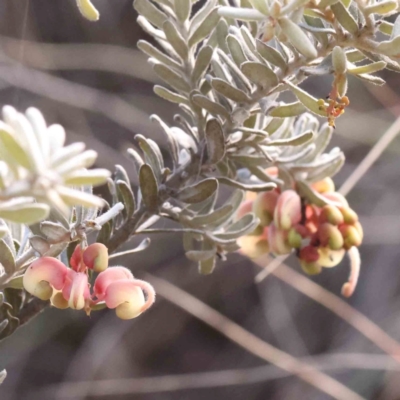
(319, 235)
(49, 279)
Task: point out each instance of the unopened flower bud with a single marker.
(44, 275)
(278, 240)
(326, 185)
(329, 258)
(331, 214)
(310, 268)
(339, 60)
(288, 210)
(349, 215)
(275, 9)
(351, 236)
(264, 206)
(359, 228)
(294, 238)
(95, 257)
(330, 235)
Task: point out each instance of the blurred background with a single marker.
(90, 78)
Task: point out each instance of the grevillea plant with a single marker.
(226, 66)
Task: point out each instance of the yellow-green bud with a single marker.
(351, 236)
(310, 268)
(329, 235)
(294, 238)
(349, 215)
(331, 214)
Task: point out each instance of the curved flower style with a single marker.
(48, 278)
(36, 163)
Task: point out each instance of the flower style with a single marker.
(116, 288)
(38, 165)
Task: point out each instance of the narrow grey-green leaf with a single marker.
(311, 195)
(15, 283)
(293, 141)
(55, 232)
(171, 139)
(386, 28)
(199, 191)
(105, 233)
(322, 37)
(202, 62)
(245, 225)
(367, 69)
(201, 15)
(344, 17)
(211, 106)
(127, 197)
(236, 50)
(252, 187)
(169, 95)
(310, 102)
(175, 39)
(298, 38)
(375, 80)
(3, 326)
(330, 170)
(7, 258)
(396, 28)
(205, 28)
(229, 91)
(25, 214)
(152, 51)
(288, 110)
(260, 74)
(270, 54)
(173, 79)
(200, 255)
(182, 9)
(151, 156)
(14, 149)
(222, 33)
(238, 77)
(215, 141)
(207, 267)
(213, 217)
(150, 12)
(148, 187)
(39, 244)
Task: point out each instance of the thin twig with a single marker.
(250, 342)
(339, 307)
(224, 378)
